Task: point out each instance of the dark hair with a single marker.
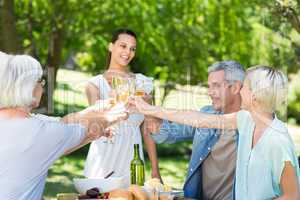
(115, 37)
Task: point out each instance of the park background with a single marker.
(177, 41)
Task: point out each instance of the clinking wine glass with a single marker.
(131, 85)
(115, 83)
(139, 88)
(121, 88)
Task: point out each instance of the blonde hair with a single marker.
(269, 86)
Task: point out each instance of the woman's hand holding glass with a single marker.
(139, 105)
(112, 108)
(122, 88)
(129, 92)
(98, 118)
(125, 88)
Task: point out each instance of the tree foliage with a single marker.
(177, 39)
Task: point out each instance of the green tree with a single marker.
(177, 40)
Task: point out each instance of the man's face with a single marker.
(219, 90)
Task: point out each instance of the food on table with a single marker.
(83, 196)
(137, 192)
(158, 191)
(165, 197)
(167, 188)
(121, 194)
(134, 192)
(93, 193)
(155, 184)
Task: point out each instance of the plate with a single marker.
(177, 192)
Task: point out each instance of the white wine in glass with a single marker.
(139, 92)
(122, 96)
(116, 82)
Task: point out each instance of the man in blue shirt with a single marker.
(211, 168)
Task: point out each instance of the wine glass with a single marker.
(116, 81)
(131, 85)
(140, 88)
(121, 88)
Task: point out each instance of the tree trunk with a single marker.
(1, 37)
(168, 87)
(293, 18)
(9, 36)
(288, 12)
(53, 62)
(30, 25)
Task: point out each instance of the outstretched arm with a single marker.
(92, 94)
(95, 121)
(189, 117)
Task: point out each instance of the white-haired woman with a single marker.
(30, 145)
(267, 166)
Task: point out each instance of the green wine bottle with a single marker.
(137, 168)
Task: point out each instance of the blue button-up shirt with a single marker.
(204, 140)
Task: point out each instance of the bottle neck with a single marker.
(136, 151)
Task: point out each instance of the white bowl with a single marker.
(104, 185)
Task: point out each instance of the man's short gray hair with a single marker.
(233, 70)
(18, 77)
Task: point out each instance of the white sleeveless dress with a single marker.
(104, 157)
